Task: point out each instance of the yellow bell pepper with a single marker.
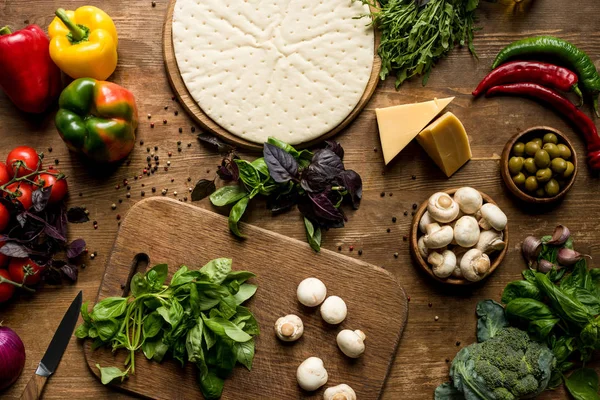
(83, 43)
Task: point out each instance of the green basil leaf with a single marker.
(108, 374)
(175, 313)
(139, 285)
(240, 276)
(152, 324)
(217, 270)
(490, 320)
(567, 306)
(227, 306)
(589, 299)
(107, 329)
(590, 335)
(246, 291)
(528, 310)
(82, 331)
(194, 301)
(84, 312)
(164, 312)
(244, 353)
(225, 356)
(248, 173)
(209, 338)
(211, 385)
(157, 276)
(227, 195)
(155, 349)
(235, 214)
(261, 166)
(93, 333)
(541, 328)
(193, 342)
(251, 326)
(313, 236)
(225, 328)
(529, 276)
(520, 289)
(583, 384)
(108, 308)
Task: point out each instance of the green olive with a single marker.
(569, 170)
(530, 166)
(564, 151)
(552, 150)
(539, 141)
(550, 138)
(542, 159)
(515, 165)
(531, 148)
(540, 192)
(531, 184)
(559, 165)
(543, 175)
(518, 149)
(552, 188)
(519, 179)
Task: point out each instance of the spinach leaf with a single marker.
(248, 173)
(217, 270)
(313, 236)
(203, 188)
(110, 307)
(244, 353)
(583, 384)
(245, 292)
(520, 289)
(490, 320)
(108, 374)
(235, 214)
(227, 195)
(283, 167)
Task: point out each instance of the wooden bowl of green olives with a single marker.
(539, 165)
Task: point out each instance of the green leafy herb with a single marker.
(583, 384)
(313, 236)
(491, 319)
(197, 318)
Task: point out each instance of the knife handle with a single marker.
(34, 388)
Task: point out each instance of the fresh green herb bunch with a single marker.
(415, 34)
(198, 318)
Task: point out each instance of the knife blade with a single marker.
(61, 338)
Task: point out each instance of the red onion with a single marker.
(12, 357)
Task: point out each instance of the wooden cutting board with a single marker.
(193, 109)
(176, 233)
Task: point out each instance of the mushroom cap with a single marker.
(311, 292)
(466, 231)
(339, 392)
(494, 216)
(439, 238)
(490, 241)
(289, 328)
(333, 310)
(474, 265)
(442, 207)
(350, 343)
(423, 250)
(424, 221)
(311, 374)
(469, 200)
(442, 264)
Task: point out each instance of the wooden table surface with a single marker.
(420, 363)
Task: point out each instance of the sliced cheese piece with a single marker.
(399, 125)
(446, 142)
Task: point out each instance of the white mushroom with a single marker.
(469, 200)
(438, 236)
(351, 343)
(442, 264)
(339, 392)
(492, 217)
(474, 265)
(442, 208)
(457, 273)
(333, 310)
(466, 231)
(425, 220)
(423, 250)
(289, 328)
(490, 241)
(311, 292)
(311, 374)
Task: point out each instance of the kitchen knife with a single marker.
(55, 350)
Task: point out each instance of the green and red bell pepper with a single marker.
(97, 119)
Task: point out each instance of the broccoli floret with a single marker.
(508, 366)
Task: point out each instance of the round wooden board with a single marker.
(194, 110)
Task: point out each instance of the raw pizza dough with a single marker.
(293, 69)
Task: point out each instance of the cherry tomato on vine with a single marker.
(27, 155)
(59, 186)
(3, 258)
(22, 192)
(4, 174)
(16, 270)
(6, 289)
(4, 218)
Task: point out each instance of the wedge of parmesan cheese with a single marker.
(292, 69)
(399, 125)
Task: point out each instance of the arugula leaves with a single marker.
(197, 318)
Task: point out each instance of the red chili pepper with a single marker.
(27, 74)
(563, 106)
(544, 74)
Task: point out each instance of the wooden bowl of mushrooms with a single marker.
(459, 236)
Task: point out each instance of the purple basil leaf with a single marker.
(353, 184)
(224, 173)
(76, 247)
(52, 276)
(217, 143)
(336, 147)
(282, 165)
(203, 188)
(77, 215)
(324, 167)
(70, 271)
(40, 198)
(12, 249)
(321, 210)
(48, 229)
(282, 202)
(22, 219)
(60, 222)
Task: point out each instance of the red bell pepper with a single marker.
(28, 75)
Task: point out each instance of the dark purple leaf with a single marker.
(282, 202)
(217, 143)
(282, 165)
(203, 188)
(40, 198)
(324, 167)
(320, 210)
(76, 247)
(77, 215)
(48, 229)
(228, 170)
(70, 271)
(352, 182)
(336, 147)
(60, 221)
(12, 249)
(52, 276)
(22, 219)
